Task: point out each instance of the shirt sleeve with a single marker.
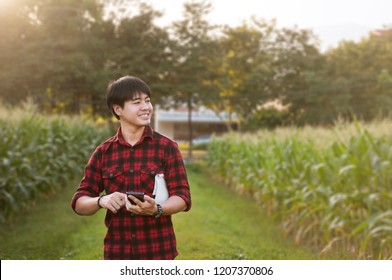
(91, 183)
(176, 177)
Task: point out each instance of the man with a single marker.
(129, 161)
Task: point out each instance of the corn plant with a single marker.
(40, 155)
(325, 195)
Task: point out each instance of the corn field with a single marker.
(329, 195)
(40, 155)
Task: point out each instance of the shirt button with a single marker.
(132, 214)
(152, 172)
(131, 170)
(133, 235)
(132, 150)
(111, 175)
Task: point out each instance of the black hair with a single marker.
(124, 89)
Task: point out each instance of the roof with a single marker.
(200, 114)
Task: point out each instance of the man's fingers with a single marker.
(149, 199)
(135, 200)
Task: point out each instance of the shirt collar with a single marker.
(147, 133)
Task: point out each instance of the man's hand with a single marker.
(146, 208)
(113, 201)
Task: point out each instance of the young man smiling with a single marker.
(129, 161)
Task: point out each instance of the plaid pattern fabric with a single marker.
(117, 166)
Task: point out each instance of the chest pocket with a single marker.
(113, 179)
(148, 177)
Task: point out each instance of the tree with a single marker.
(298, 68)
(59, 54)
(241, 70)
(72, 41)
(260, 63)
(365, 67)
(16, 31)
(191, 53)
(384, 93)
(142, 49)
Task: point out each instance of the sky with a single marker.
(331, 20)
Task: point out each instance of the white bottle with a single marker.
(160, 189)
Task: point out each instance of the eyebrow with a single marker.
(139, 97)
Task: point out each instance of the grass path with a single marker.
(220, 225)
(224, 225)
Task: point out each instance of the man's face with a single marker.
(136, 112)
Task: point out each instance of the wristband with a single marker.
(99, 205)
(159, 212)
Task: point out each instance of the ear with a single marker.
(117, 109)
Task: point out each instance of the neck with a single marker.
(132, 135)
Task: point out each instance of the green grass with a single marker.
(51, 230)
(225, 225)
(220, 225)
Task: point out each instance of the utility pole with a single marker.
(190, 125)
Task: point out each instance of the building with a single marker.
(174, 122)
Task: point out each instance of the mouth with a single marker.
(145, 116)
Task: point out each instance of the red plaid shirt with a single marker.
(117, 166)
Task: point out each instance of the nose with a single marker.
(146, 105)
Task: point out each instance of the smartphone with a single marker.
(138, 195)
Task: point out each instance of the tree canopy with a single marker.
(63, 53)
